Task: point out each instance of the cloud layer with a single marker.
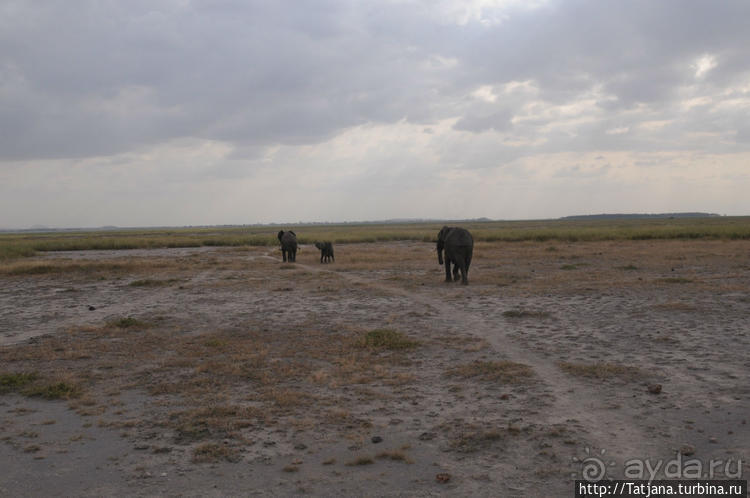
(180, 112)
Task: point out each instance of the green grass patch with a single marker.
(55, 390)
(675, 280)
(363, 460)
(32, 385)
(15, 251)
(127, 322)
(507, 372)
(14, 382)
(215, 343)
(387, 339)
(34, 269)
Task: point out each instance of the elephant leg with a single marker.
(465, 275)
(456, 269)
(448, 271)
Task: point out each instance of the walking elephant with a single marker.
(458, 245)
(288, 245)
(326, 251)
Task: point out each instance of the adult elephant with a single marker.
(458, 245)
(326, 251)
(288, 245)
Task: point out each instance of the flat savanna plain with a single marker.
(203, 371)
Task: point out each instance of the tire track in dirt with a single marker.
(573, 401)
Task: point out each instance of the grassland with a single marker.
(25, 244)
(308, 377)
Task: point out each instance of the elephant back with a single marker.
(288, 239)
(455, 236)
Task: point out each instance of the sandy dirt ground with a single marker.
(217, 371)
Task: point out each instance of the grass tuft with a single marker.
(507, 372)
(474, 440)
(29, 384)
(55, 390)
(526, 314)
(363, 460)
(395, 455)
(214, 452)
(387, 339)
(14, 382)
(127, 322)
(148, 282)
(675, 280)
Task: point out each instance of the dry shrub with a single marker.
(212, 421)
(214, 452)
(476, 439)
(362, 460)
(395, 455)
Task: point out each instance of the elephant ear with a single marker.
(281, 234)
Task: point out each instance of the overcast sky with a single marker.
(141, 113)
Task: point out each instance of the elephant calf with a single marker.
(458, 245)
(326, 251)
(288, 245)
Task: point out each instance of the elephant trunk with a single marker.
(440, 245)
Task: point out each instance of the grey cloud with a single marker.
(263, 73)
(498, 121)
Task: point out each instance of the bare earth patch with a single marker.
(222, 371)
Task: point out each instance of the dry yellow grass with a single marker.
(245, 373)
(507, 372)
